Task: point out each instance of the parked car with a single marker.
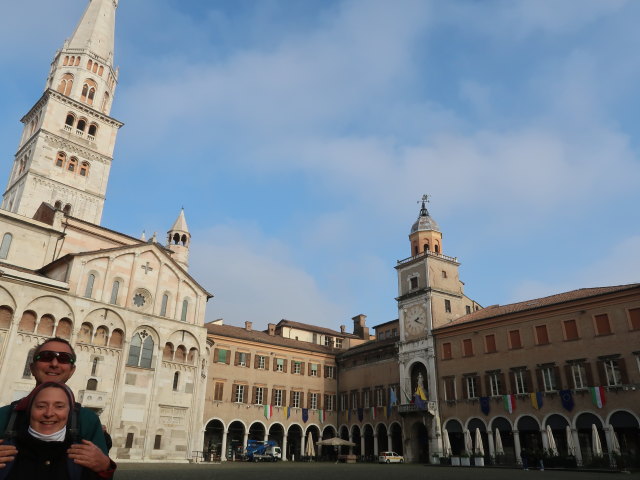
(390, 457)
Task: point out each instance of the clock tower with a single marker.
(430, 294)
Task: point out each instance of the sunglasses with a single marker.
(49, 355)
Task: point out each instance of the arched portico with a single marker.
(214, 435)
(294, 442)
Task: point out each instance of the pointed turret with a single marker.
(425, 233)
(178, 240)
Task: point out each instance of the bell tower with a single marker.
(66, 149)
(179, 239)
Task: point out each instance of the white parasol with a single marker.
(446, 443)
(310, 451)
(468, 444)
(552, 441)
(615, 444)
(498, 439)
(595, 440)
(479, 448)
(571, 448)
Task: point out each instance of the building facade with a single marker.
(129, 307)
(559, 366)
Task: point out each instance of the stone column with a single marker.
(245, 440)
(351, 440)
(492, 448)
(266, 435)
(516, 443)
(284, 447)
(362, 444)
(375, 444)
(223, 447)
(576, 443)
(389, 441)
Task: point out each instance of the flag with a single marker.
(288, 412)
(305, 415)
(360, 414)
(536, 400)
(597, 396)
(485, 406)
(268, 411)
(322, 415)
(567, 399)
(421, 394)
(392, 397)
(509, 403)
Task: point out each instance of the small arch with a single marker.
(58, 205)
(27, 322)
(65, 62)
(176, 238)
(101, 337)
(61, 159)
(176, 380)
(183, 240)
(46, 326)
(105, 101)
(193, 354)
(5, 316)
(185, 310)
(167, 352)
(116, 338)
(92, 94)
(66, 82)
(92, 384)
(115, 288)
(163, 305)
(86, 333)
(436, 248)
(89, 64)
(67, 209)
(70, 120)
(95, 68)
(84, 169)
(100, 70)
(72, 166)
(181, 354)
(7, 238)
(93, 128)
(63, 330)
(77, 61)
(82, 125)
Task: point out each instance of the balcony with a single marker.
(409, 408)
(92, 399)
(428, 254)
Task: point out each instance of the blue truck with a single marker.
(262, 451)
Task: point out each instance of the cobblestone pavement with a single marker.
(330, 471)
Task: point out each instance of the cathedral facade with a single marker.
(129, 307)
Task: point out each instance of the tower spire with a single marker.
(96, 29)
(178, 240)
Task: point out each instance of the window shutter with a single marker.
(291, 398)
(309, 369)
(539, 380)
(601, 373)
(529, 387)
(253, 395)
(326, 371)
(216, 354)
(512, 382)
(255, 361)
(588, 372)
(487, 384)
(228, 360)
(622, 365)
(301, 368)
(301, 399)
(503, 384)
(266, 363)
(285, 366)
(556, 373)
(325, 402)
(569, 376)
(234, 396)
(265, 396)
(237, 358)
(308, 400)
(275, 364)
(273, 396)
(248, 358)
(465, 390)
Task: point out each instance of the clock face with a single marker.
(415, 319)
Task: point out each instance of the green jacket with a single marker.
(88, 423)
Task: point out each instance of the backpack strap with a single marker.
(10, 432)
(72, 424)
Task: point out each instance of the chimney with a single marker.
(359, 327)
(272, 329)
(343, 328)
(248, 326)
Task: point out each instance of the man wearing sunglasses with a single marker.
(54, 361)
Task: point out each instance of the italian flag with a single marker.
(509, 403)
(322, 416)
(597, 396)
(268, 411)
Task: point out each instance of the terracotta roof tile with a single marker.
(313, 328)
(499, 310)
(264, 337)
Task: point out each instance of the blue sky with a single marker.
(298, 136)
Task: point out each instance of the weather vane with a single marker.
(425, 199)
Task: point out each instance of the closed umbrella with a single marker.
(479, 449)
(336, 442)
(499, 448)
(552, 441)
(615, 444)
(571, 448)
(595, 440)
(310, 451)
(446, 443)
(468, 445)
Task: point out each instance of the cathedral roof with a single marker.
(96, 29)
(494, 311)
(425, 223)
(313, 328)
